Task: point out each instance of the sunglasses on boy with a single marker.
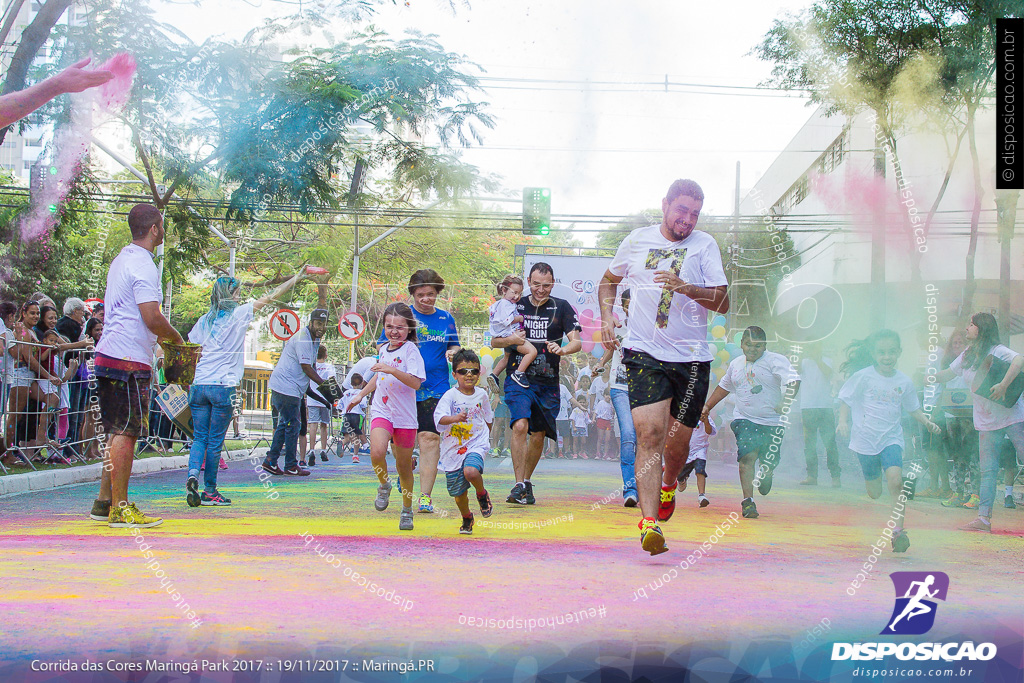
(468, 371)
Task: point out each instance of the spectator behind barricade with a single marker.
(71, 327)
(47, 320)
(28, 368)
(87, 421)
(42, 300)
(580, 418)
(62, 395)
(97, 311)
(8, 313)
(94, 330)
(603, 416)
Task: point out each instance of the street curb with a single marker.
(15, 484)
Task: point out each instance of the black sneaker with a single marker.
(467, 525)
(520, 379)
(273, 469)
(485, 505)
(1008, 503)
(517, 495)
(900, 542)
(312, 459)
(765, 485)
(749, 509)
(323, 456)
(192, 495)
(214, 499)
(530, 500)
(100, 511)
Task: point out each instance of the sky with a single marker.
(606, 138)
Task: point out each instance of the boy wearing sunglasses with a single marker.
(463, 417)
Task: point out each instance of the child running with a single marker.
(505, 322)
(878, 393)
(399, 373)
(698, 458)
(464, 417)
(756, 382)
(352, 425)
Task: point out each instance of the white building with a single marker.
(824, 190)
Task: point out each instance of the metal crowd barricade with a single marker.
(47, 422)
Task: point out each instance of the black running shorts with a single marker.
(651, 381)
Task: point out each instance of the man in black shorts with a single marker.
(533, 410)
(676, 277)
(123, 365)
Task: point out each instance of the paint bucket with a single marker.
(180, 362)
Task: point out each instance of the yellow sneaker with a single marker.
(973, 502)
(126, 516)
(651, 538)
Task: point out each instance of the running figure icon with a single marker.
(917, 600)
(916, 607)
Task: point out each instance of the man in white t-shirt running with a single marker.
(124, 360)
(676, 277)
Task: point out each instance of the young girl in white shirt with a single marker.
(399, 373)
(877, 394)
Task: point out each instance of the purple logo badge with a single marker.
(916, 593)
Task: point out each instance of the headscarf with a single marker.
(222, 301)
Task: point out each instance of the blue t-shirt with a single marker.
(436, 333)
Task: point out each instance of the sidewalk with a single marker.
(14, 484)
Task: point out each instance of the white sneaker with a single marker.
(703, 500)
(383, 497)
(405, 520)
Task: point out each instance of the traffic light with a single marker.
(536, 211)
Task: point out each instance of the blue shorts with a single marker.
(579, 431)
(538, 403)
(874, 465)
(501, 411)
(697, 465)
(457, 484)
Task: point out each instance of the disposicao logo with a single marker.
(913, 615)
(916, 593)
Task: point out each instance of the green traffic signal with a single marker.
(536, 211)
